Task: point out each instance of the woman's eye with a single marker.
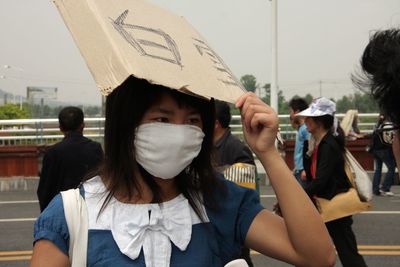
(161, 119)
(194, 120)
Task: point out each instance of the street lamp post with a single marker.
(6, 66)
(274, 55)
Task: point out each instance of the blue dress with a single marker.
(212, 243)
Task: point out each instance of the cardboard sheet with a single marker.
(119, 38)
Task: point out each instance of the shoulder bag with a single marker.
(360, 180)
(343, 204)
(76, 215)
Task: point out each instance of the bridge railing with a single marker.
(43, 131)
(46, 131)
(366, 122)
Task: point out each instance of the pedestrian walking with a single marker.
(66, 163)
(326, 174)
(383, 154)
(231, 150)
(297, 105)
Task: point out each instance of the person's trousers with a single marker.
(345, 242)
(297, 175)
(383, 156)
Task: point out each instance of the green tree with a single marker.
(283, 106)
(12, 111)
(93, 111)
(344, 104)
(364, 103)
(267, 89)
(249, 82)
(309, 98)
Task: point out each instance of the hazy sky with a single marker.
(320, 42)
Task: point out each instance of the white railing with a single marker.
(46, 131)
(43, 131)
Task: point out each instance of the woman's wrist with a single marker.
(269, 156)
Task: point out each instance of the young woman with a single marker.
(157, 201)
(326, 174)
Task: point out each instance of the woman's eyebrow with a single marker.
(162, 110)
(194, 112)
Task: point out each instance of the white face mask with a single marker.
(165, 149)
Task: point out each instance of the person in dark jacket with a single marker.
(66, 163)
(382, 154)
(229, 150)
(326, 174)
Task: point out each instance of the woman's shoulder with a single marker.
(55, 208)
(234, 198)
(329, 142)
(237, 208)
(51, 225)
(229, 189)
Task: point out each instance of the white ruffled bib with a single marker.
(135, 226)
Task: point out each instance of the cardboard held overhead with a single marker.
(119, 38)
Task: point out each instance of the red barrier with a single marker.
(26, 160)
(357, 147)
(20, 160)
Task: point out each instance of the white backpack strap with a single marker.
(76, 215)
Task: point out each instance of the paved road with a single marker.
(377, 231)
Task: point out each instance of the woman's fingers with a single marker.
(263, 120)
(255, 113)
(241, 99)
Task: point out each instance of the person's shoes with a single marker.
(386, 193)
(377, 193)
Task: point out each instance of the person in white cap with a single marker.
(157, 201)
(326, 174)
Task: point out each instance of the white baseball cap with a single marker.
(319, 107)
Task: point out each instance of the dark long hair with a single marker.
(380, 71)
(125, 107)
(326, 122)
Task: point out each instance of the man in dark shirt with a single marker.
(231, 150)
(382, 153)
(67, 162)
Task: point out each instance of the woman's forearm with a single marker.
(306, 230)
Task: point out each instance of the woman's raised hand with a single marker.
(260, 122)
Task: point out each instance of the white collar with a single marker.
(135, 226)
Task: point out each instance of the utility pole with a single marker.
(320, 88)
(274, 55)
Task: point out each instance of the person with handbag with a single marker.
(326, 173)
(382, 153)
